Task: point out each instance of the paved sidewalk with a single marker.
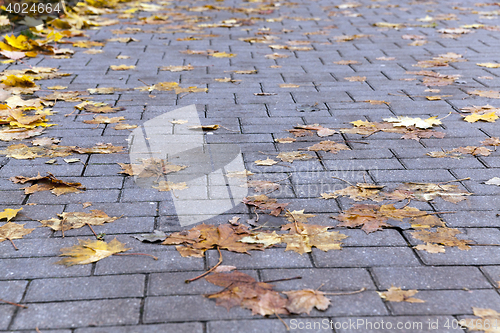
(138, 294)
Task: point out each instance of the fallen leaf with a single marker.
(417, 122)
(431, 248)
(156, 236)
(493, 141)
(293, 156)
(285, 140)
(489, 117)
(359, 192)
(298, 216)
(11, 230)
(75, 220)
(89, 251)
(262, 202)
(123, 126)
(121, 67)
(47, 183)
(176, 68)
(347, 62)
(267, 162)
(303, 301)
(396, 294)
(289, 85)
(165, 186)
(302, 237)
(9, 213)
(329, 146)
(356, 78)
(485, 93)
(488, 65)
(442, 236)
(262, 185)
(205, 127)
(104, 120)
(492, 181)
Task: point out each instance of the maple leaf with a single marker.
(368, 216)
(493, 181)
(11, 230)
(265, 238)
(196, 241)
(9, 134)
(493, 141)
(488, 65)
(303, 301)
(102, 91)
(262, 185)
(396, 294)
(356, 78)
(416, 134)
(267, 162)
(487, 323)
(176, 68)
(121, 67)
(483, 93)
(429, 191)
(294, 155)
(329, 146)
(285, 140)
(489, 117)
(302, 237)
(473, 150)
(9, 213)
(431, 248)
(47, 183)
(262, 202)
(298, 216)
(89, 251)
(443, 236)
(104, 120)
(417, 122)
(165, 186)
(242, 290)
(359, 192)
(150, 167)
(75, 220)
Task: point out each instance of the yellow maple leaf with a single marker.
(489, 117)
(9, 213)
(20, 42)
(223, 55)
(488, 65)
(25, 81)
(89, 251)
(121, 67)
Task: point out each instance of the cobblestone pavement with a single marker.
(138, 294)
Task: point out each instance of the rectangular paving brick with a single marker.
(160, 328)
(365, 257)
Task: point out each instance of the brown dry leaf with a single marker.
(45, 142)
(302, 237)
(431, 248)
(493, 141)
(194, 242)
(204, 127)
(417, 122)
(417, 134)
(267, 162)
(359, 192)
(75, 220)
(11, 230)
(347, 62)
(473, 150)
(102, 91)
(9, 134)
(289, 85)
(123, 126)
(276, 56)
(285, 140)
(485, 93)
(104, 120)
(97, 107)
(262, 202)
(165, 186)
(442, 236)
(356, 78)
(239, 174)
(150, 167)
(396, 294)
(293, 156)
(303, 301)
(428, 192)
(227, 79)
(320, 130)
(329, 146)
(47, 183)
(89, 251)
(262, 185)
(375, 102)
(9, 213)
(298, 216)
(437, 97)
(177, 68)
(487, 323)
(242, 290)
(265, 238)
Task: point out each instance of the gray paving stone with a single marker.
(269, 325)
(420, 278)
(410, 324)
(181, 328)
(270, 258)
(79, 314)
(85, 288)
(13, 291)
(365, 257)
(31, 268)
(6, 314)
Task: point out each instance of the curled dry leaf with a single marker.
(396, 294)
(262, 202)
(359, 192)
(298, 216)
(47, 183)
(302, 237)
(156, 236)
(493, 141)
(329, 146)
(267, 162)
(75, 220)
(89, 251)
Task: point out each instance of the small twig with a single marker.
(136, 254)
(343, 180)
(15, 304)
(230, 130)
(37, 330)
(445, 116)
(257, 214)
(409, 200)
(209, 271)
(484, 244)
(452, 181)
(277, 315)
(285, 279)
(14, 245)
(92, 230)
(144, 82)
(348, 293)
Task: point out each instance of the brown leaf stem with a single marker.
(92, 230)
(285, 279)
(209, 271)
(14, 245)
(347, 293)
(136, 254)
(15, 304)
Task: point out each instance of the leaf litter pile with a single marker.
(26, 111)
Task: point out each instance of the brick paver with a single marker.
(137, 294)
